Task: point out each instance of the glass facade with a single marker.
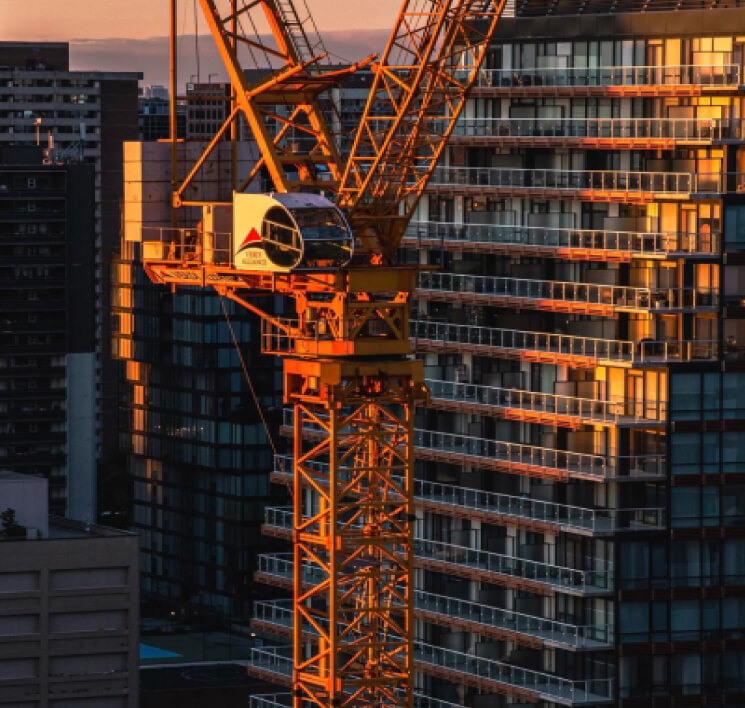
(195, 445)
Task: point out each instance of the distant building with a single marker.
(154, 118)
(69, 607)
(159, 93)
(87, 116)
(208, 108)
(48, 397)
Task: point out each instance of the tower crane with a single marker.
(325, 238)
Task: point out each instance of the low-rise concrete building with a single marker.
(69, 607)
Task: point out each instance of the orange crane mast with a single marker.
(349, 373)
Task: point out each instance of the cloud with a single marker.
(150, 56)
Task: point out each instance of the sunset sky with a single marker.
(98, 19)
(130, 35)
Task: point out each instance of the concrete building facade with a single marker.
(69, 608)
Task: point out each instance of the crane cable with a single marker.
(196, 43)
(255, 396)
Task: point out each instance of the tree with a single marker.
(10, 526)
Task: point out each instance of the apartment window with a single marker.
(685, 673)
(685, 620)
(686, 396)
(634, 621)
(694, 506)
(734, 227)
(634, 565)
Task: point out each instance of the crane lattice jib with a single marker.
(421, 83)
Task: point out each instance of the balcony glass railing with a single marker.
(646, 351)
(280, 613)
(583, 465)
(548, 686)
(563, 516)
(550, 631)
(522, 457)
(589, 410)
(570, 518)
(278, 660)
(616, 181)
(614, 296)
(280, 565)
(284, 700)
(540, 237)
(702, 75)
(695, 129)
(553, 576)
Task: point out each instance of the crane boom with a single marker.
(349, 373)
(430, 63)
(290, 83)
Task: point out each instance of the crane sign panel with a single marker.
(279, 233)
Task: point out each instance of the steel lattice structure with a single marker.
(348, 369)
(431, 61)
(353, 628)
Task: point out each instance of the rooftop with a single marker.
(60, 527)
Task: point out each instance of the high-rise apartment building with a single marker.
(47, 323)
(85, 116)
(580, 477)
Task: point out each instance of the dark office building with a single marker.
(154, 119)
(84, 117)
(47, 319)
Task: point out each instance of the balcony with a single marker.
(510, 571)
(587, 185)
(489, 674)
(276, 616)
(559, 296)
(276, 569)
(602, 133)
(549, 348)
(505, 570)
(533, 460)
(542, 516)
(682, 80)
(271, 664)
(523, 459)
(505, 509)
(486, 674)
(543, 408)
(567, 244)
(284, 700)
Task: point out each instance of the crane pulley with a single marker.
(349, 373)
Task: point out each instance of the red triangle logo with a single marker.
(253, 235)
